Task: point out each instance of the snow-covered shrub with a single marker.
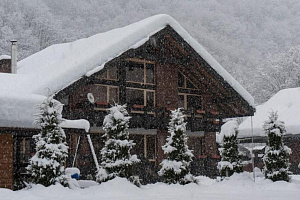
(231, 160)
(116, 157)
(47, 165)
(176, 168)
(276, 155)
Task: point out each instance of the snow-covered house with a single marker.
(287, 105)
(18, 109)
(153, 66)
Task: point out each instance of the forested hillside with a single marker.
(256, 41)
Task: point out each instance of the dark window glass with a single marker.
(138, 148)
(100, 93)
(135, 72)
(189, 84)
(150, 99)
(113, 95)
(180, 80)
(134, 97)
(113, 73)
(149, 73)
(194, 102)
(181, 101)
(27, 149)
(195, 144)
(150, 146)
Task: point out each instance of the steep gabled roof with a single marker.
(287, 104)
(58, 66)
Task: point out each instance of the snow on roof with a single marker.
(14, 82)
(2, 57)
(19, 109)
(58, 66)
(287, 104)
(79, 124)
(228, 129)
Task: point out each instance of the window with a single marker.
(193, 102)
(111, 74)
(149, 101)
(150, 147)
(184, 82)
(137, 99)
(190, 101)
(26, 150)
(150, 73)
(105, 94)
(145, 146)
(195, 144)
(181, 101)
(140, 71)
(135, 72)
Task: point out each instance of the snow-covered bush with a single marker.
(231, 160)
(116, 157)
(47, 165)
(276, 155)
(176, 168)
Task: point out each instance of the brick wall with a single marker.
(166, 85)
(210, 145)
(6, 161)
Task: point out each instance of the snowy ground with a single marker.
(238, 187)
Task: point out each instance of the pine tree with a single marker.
(47, 165)
(176, 168)
(276, 154)
(116, 157)
(231, 160)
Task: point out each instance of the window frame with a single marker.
(145, 99)
(107, 74)
(185, 80)
(107, 95)
(144, 62)
(185, 95)
(144, 149)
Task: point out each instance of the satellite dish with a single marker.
(91, 97)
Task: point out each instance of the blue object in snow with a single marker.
(75, 176)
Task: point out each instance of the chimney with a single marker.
(13, 56)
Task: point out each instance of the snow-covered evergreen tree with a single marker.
(231, 160)
(47, 165)
(176, 168)
(276, 155)
(116, 157)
